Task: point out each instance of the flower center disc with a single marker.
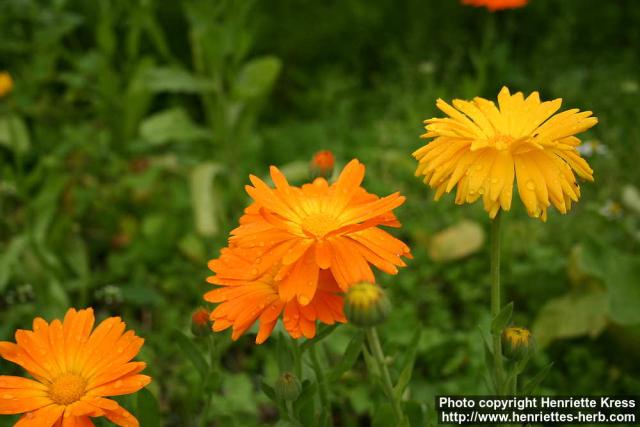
(319, 224)
(67, 388)
(502, 142)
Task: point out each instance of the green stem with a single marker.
(290, 413)
(323, 391)
(213, 362)
(378, 355)
(495, 297)
(297, 359)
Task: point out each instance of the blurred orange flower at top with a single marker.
(74, 369)
(322, 163)
(320, 226)
(494, 5)
(6, 83)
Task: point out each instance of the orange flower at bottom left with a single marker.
(74, 367)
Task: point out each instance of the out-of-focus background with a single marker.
(133, 125)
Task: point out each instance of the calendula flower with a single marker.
(73, 370)
(6, 83)
(494, 5)
(481, 148)
(249, 294)
(322, 164)
(320, 227)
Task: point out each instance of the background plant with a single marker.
(114, 124)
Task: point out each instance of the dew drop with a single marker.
(531, 185)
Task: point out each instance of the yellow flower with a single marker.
(481, 148)
(6, 83)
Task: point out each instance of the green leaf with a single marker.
(415, 413)
(9, 257)
(407, 368)
(239, 395)
(502, 319)
(304, 406)
(165, 79)
(268, 390)
(350, 356)
(142, 296)
(372, 366)
(623, 272)
(14, 133)
(190, 350)
(148, 409)
(257, 77)
(171, 125)
(490, 372)
(204, 199)
(384, 416)
(571, 315)
(537, 380)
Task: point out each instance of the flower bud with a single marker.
(366, 305)
(322, 164)
(517, 343)
(6, 83)
(288, 387)
(200, 323)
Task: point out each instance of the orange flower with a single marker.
(73, 370)
(248, 294)
(494, 5)
(322, 163)
(318, 227)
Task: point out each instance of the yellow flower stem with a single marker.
(495, 297)
(378, 355)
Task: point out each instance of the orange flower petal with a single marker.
(44, 417)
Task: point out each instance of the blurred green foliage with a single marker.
(133, 126)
